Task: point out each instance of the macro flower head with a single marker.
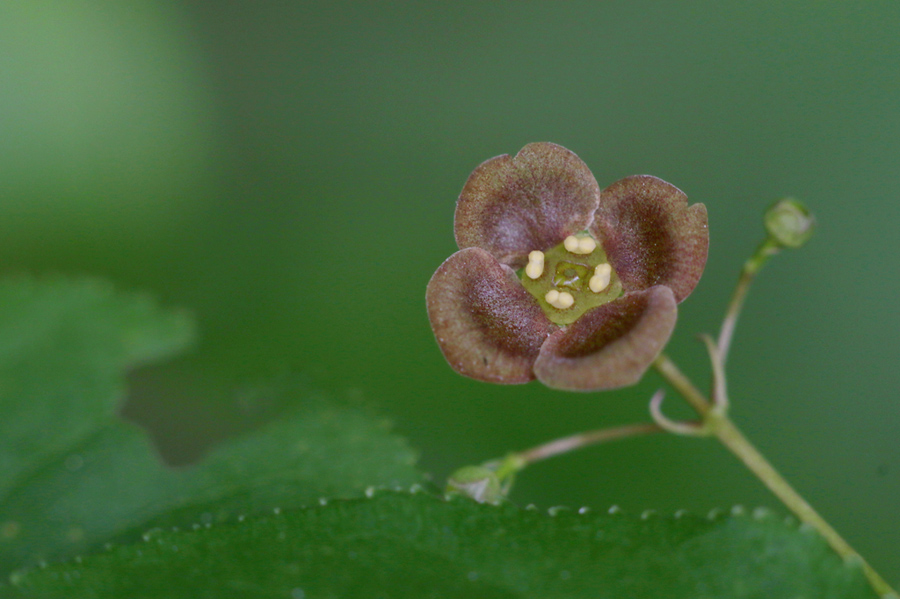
(560, 281)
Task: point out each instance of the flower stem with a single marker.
(667, 368)
(718, 423)
(507, 468)
(581, 440)
(734, 440)
(766, 250)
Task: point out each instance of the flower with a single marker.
(600, 272)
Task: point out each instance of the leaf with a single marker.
(414, 545)
(106, 482)
(64, 345)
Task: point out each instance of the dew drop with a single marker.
(761, 513)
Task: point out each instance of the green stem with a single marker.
(581, 440)
(667, 368)
(734, 440)
(512, 464)
(724, 429)
(766, 250)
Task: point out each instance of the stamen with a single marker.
(586, 245)
(535, 266)
(600, 280)
(559, 300)
(579, 245)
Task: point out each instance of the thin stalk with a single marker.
(667, 368)
(507, 468)
(730, 436)
(724, 429)
(581, 440)
(766, 250)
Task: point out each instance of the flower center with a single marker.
(571, 278)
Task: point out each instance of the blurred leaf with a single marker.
(400, 545)
(65, 347)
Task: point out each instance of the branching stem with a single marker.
(720, 426)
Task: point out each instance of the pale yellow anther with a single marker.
(600, 280)
(586, 245)
(579, 245)
(559, 300)
(535, 266)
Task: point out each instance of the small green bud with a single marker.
(789, 223)
(476, 482)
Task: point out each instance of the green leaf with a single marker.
(66, 347)
(414, 545)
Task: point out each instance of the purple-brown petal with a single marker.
(610, 346)
(512, 205)
(487, 326)
(651, 235)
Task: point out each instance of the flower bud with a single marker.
(789, 223)
(476, 482)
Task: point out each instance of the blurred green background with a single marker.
(288, 170)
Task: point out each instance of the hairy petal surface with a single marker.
(651, 235)
(513, 205)
(487, 326)
(610, 346)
